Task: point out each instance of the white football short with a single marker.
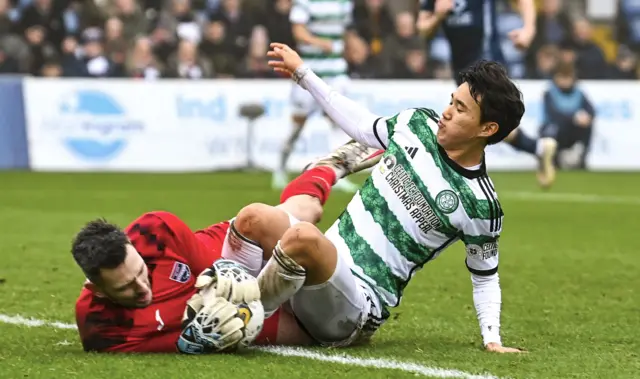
(341, 312)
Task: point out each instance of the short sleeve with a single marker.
(299, 13)
(482, 254)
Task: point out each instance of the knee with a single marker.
(300, 243)
(252, 220)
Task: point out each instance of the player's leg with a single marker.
(573, 146)
(544, 148)
(302, 105)
(329, 301)
(254, 232)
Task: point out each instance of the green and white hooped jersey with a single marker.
(327, 19)
(416, 203)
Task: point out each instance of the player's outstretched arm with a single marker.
(487, 299)
(357, 121)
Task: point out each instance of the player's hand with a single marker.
(327, 46)
(582, 118)
(288, 61)
(209, 327)
(522, 38)
(442, 8)
(229, 280)
(497, 348)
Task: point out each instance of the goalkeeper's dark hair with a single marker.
(99, 245)
(499, 99)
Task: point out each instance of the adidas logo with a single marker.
(411, 151)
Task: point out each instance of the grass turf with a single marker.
(569, 274)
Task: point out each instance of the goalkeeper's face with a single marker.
(128, 284)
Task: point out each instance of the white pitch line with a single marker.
(567, 197)
(344, 359)
(378, 363)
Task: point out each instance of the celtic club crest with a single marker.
(447, 201)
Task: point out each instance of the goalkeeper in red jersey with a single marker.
(140, 279)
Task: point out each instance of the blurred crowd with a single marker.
(229, 38)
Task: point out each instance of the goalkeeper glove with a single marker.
(209, 328)
(229, 280)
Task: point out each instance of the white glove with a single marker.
(209, 328)
(229, 280)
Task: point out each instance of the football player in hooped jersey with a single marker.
(430, 190)
(140, 279)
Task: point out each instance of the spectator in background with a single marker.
(40, 49)
(115, 45)
(141, 62)
(415, 65)
(219, 50)
(399, 43)
(187, 64)
(179, 20)
(553, 26)
(277, 22)
(567, 52)
(90, 60)
(373, 22)
(590, 60)
(131, 15)
(568, 118)
(8, 64)
(625, 66)
(7, 20)
(546, 62)
(51, 69)
(628, 24)
(255, 65)
(42, 15)
(238, 26)
(361, 64)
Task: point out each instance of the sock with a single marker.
(316, 182)
(242, 250)
(288, 146)
(279, 280)
(524, 143)
(269, 333)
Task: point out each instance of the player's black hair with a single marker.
(499, 99)
(99, 245)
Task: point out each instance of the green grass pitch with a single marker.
(569, 272)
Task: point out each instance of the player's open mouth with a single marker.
(440, 124)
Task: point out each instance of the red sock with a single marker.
(316, 182)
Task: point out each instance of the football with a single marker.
(252, 314)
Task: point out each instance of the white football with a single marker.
(253, 316)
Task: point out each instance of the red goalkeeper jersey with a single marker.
(175, 256)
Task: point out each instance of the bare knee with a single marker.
(262, 224)
(252, 220)
(301, 243)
